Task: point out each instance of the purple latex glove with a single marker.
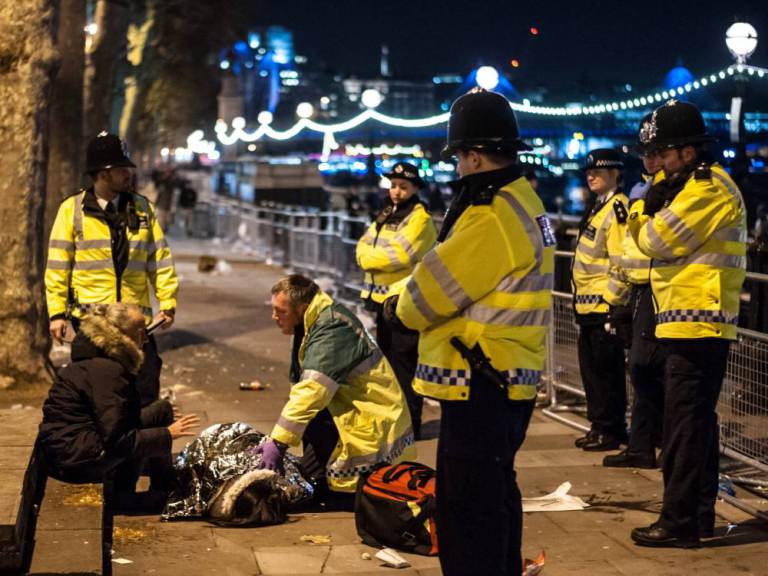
(272, 453)
(639, 190)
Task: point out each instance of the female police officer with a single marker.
(397, 239)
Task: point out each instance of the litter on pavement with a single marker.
(391, 558)
(557, 501)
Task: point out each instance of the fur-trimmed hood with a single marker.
(110, 341)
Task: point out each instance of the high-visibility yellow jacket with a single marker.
(635, 265)
(488, 283)
(596, 277)
(698, 246)
(388, 252)
(81, 269)
(339, 366)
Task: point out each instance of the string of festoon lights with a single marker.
(372, 98)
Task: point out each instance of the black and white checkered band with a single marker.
(588, 298)
(696, 316)
(461, 377)
(376, 288)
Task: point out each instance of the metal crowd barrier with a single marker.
(322, 244)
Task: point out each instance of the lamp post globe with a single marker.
(741, 39)
(371, 98)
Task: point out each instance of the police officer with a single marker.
(599, 289)
(397, 239)
(646, 363)
(481, 302)
(696, 235)
(106, 246)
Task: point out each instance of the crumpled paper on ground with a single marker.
(557, 501)
(218, 479)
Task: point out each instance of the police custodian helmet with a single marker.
(406, 171)
(106, 151)
(482, 120)
(674, 124)
(603, 158)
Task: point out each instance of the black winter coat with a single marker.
(92, 414)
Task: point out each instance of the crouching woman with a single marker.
(93, 420)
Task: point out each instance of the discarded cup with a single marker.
(255, 385)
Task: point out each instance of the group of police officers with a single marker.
(462, 315)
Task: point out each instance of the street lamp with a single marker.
(741, 39)
(487, 77)
(371, 98)
(305, 110)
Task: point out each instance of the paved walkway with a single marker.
(224, 336)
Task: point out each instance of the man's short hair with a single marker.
(499, 157)
(300, 289)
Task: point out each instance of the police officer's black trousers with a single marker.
(479, 507)
(401, 347)
(693, 378)
(601, 363)
(646, 372)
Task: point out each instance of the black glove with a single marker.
(620, 323)
(655, 198)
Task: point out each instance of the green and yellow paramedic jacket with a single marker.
(596, 276)
(698, 246)
(488, 283)
(81, 264)
(339, 366)
(635, 265)
(392, 246)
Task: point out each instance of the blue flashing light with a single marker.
(254, 41)
(240, 47)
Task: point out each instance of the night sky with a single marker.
(587, 43)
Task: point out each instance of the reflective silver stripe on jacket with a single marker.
(296, 428)
(685, 235)
(367, 364)
(507, 316)
(711, 259)
(323, 379)
(450, 286)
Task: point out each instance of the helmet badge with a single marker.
(648, 131)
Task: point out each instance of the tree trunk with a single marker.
(66, 137)
(106, 55)
(140, 55)
(27, 64)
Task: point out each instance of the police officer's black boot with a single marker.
(627, 459)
